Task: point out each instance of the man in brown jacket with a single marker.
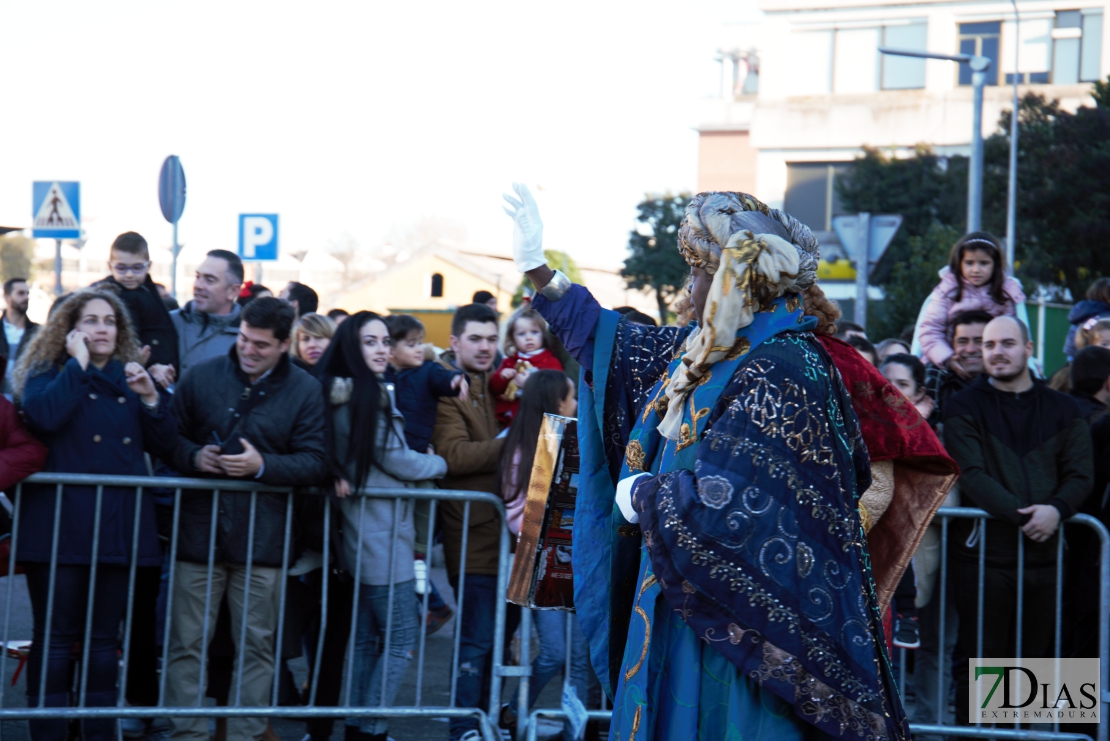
(466, 436)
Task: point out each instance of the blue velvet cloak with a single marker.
(769, 625)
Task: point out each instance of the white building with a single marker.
(825, 91)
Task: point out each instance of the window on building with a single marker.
(1066, 47)
(1034, 39)
(980, 39)
(1090, 55)
(904, 73)
(1077, 46)
(437, 285)
(811, 192)
(856, 60)
(810, 62)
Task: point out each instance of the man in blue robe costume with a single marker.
(721, 569)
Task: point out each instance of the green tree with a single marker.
(1063, 203)
(910, 280)
(16, 254)
(655, 261)
(558, 261)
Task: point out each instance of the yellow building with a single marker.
(438, 279)
(428, 285)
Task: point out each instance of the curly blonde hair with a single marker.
(524, 312)
(49, 346)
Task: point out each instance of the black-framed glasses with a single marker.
(136, 269)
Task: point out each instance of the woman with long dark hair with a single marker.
(367, 448)
(87, 398)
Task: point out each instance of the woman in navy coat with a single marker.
(85, 396)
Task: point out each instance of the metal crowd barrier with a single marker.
(486, 717)
(943, 517)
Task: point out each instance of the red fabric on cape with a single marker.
(893, 430)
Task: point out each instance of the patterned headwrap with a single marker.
(755, 255)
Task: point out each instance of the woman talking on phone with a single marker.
(84, 394)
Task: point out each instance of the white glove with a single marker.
(624, 497)
(527, 229)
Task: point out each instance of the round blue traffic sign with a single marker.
(171, 189)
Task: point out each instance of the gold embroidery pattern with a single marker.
(778, 468)
(659, 403)
(742, 346)
(865, 517)
(805, 560)
(649, 582)
(819, 649)
(792, 302)
(636, 722)
(816, 699)
(634, 454)
(785, 413)
(688, 433)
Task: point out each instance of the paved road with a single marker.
(436, 678)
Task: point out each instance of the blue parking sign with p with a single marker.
(258, 236)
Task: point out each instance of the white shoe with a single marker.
(471, 736)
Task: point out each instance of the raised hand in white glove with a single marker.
(624, 497)
(527, 229)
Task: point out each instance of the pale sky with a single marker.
(349, 118)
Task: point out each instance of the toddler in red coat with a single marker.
(525, 351)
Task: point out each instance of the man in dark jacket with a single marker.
(18, 330)
(1025, 455)
(247, 415)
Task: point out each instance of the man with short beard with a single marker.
(1025, 455)
(18, 329)
(967, 341)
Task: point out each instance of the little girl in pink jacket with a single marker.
(975, 279)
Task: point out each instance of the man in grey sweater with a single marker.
(208, 325)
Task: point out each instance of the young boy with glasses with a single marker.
(129, 262)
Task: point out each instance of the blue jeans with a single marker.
(551, 626)
(374, 683)
(67, 627)
(475, 659)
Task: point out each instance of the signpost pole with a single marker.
(173, 278)
(57, 267)
(863, 254)
(979, 66)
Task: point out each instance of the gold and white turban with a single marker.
(755, 255)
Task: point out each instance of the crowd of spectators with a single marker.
(242, 384)
(1029, 455)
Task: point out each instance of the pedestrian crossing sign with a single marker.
(56, 206)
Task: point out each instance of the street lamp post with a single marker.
(1011, 194)
(979, 66)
